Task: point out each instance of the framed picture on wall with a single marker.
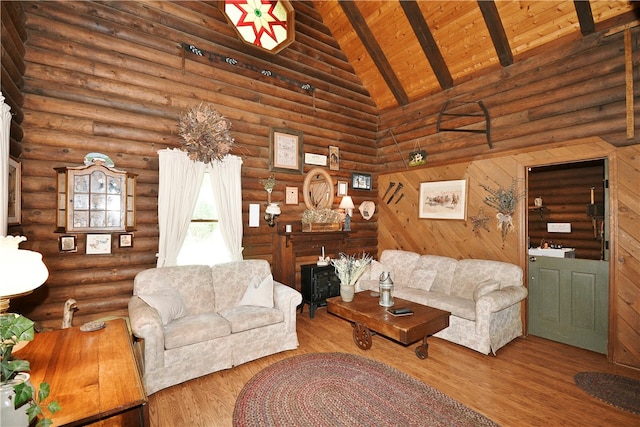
(334, 158)
(361, 181)
(125, 240)
(67, 244)
(285, 150)
(98, 244)
(443, 199)
(14, 216)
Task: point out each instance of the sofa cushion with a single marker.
(168, 303)
(422, 279)
(194, 329)
(445, 268)
(459, 307)
(259, 292)
(470, 272)
(244, 317)
(230, 280)
(484, 288)
(401, 263)
(193, 282)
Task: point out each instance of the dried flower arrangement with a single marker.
(504, 201)
(322, 216)
(349, 268)
(205, 134)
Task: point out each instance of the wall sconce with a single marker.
(271, 213)
(347, 204)
(272, 210)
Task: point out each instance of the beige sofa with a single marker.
(194, 320)
(483, 296)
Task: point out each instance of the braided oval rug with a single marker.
(339, 389)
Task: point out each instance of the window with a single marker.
(203, 244)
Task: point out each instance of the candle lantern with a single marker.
(386, 289)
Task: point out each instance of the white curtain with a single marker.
(227, 192)
(178, 188)
(5, 130)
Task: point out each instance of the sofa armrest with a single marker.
(147, 325)
(503, 298)
(287, 299)
(496, 301)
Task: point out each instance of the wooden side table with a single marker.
(94, 376)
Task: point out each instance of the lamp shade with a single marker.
(273, 209)
(21, 270)
(347, 204)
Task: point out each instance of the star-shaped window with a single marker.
(266, 24)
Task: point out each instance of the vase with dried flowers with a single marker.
(349, 269)
(505, 202)
(205, 134)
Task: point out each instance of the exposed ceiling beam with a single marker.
(585, 17)
(428, 43)
(377, 55)
(496, 31)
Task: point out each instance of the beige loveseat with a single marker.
(209, 318)
(483, 296)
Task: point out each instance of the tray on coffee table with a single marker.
(368, 316)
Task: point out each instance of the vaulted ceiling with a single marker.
(406, 50)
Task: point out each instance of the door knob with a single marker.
(532, 259)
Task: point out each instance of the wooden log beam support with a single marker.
(428, 43)
(375, 51)
(496, 31)
(585, 17)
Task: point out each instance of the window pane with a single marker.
(205, 207)
(203, 245)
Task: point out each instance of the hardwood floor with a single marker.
(528, 383)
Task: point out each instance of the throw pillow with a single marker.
(259, 292)
(376, 268)
(422, 279)
(484, 288)
(168, 303)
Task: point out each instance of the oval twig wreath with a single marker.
(205, 134)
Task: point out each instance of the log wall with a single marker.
(113, 77)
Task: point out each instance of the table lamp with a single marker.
(347, 204)
(21, 270)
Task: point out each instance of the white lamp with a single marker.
(21, 270)
(347, 204)
(271, 212)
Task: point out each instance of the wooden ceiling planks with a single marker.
(462, 36)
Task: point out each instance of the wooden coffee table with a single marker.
(368, 316)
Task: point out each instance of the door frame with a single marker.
(606, 151)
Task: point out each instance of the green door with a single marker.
(568, 301)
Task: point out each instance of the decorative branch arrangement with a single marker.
(205, 134)
(504, 201)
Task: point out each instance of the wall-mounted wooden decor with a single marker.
(14, 216)
(285, 150)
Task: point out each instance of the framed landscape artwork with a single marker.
(443, 199)
(285, 151)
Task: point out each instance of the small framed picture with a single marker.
(291, 196)
(98, 244)
(342, 188)
(361, 181)
(334, 158)
(125, 240)
(443, 199)
(285, 150)
(67, 244)
(14, 215)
